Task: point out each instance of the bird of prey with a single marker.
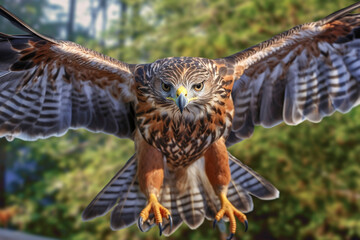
(181, 112)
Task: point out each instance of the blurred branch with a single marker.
(12, 235)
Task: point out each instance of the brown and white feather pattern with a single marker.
(191, 204)
(49, 87)
(183, 137)
(124, 193)
(305, 73)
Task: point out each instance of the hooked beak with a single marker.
(181, 98)
(181, 101)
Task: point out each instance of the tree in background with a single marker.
(71, 21)
(318, 177)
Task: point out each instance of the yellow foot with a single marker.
(159, 212)
(229, 210)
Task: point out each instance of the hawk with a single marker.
(181, 112)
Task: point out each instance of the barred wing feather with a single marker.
(49, 86)
(124, 193)
(306, 73)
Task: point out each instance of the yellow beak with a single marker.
(181, 90)
(181, 99)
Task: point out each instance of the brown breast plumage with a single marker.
(183, 137)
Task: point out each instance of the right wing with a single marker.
(49, 86)
(306, 73)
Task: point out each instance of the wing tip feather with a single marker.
(21, 25)
(340, 13)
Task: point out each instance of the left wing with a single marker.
(49, 86)
(305, 73)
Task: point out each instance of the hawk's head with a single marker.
(183, 84)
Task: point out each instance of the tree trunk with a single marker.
(70, 26)
(103, 7)
(123, 9)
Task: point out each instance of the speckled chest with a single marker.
(183, 138)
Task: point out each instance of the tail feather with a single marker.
(246, 179)
(127, 210)
(168, 199)
(191, 207)
(124, 192)
(121, 216)
(191, 204)
(239, 197)
(187, 204)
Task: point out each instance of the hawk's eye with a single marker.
(166, 87)
(199, 86)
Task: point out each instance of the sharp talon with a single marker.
(154, 211)
(171, 222)
(140, 222)
(214, 223)
(230, 236)
(246, 225)
(160, 228)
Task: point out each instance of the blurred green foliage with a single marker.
(315, 166)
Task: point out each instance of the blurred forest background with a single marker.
(316, 167)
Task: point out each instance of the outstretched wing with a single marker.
(49, 86)
(305, 73)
